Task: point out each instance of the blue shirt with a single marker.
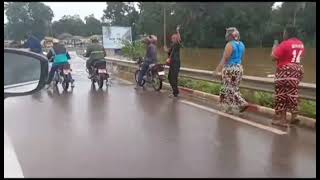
(238, 49)
(34, 44)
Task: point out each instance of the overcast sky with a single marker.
(82, 8)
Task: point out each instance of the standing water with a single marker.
(257, 61)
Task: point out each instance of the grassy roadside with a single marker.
(306, 107)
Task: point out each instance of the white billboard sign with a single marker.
(114, 35)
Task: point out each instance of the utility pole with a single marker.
(164, 26)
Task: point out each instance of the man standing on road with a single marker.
(174, 62)
(95, 52)
(288, 75)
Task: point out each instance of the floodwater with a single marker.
(257, 61)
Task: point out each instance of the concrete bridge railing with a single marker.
(307, 90)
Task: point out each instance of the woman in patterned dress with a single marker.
(288, 75)
(230, 65)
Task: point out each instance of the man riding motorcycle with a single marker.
(150, 58)
(95, 52)
(60, 58)
(33, 43)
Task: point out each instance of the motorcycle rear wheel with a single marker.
(100, 81)
(136, 77)
(65, 85)
(156, 82)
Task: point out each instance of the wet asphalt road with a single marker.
(121, 132)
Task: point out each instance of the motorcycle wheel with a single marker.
(100, 81)
(55, 80)
(65, 82)
(65, 85)
(156, 82)
(136, 77)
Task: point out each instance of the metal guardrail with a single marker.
(307, 90)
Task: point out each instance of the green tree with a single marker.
(203, 23)
(92, 25)
(69, 24)
(121, 14)
(24, 17)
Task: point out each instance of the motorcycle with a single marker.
(155, 75)
(63, 76)
(100, 74)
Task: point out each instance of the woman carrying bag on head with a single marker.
(174, 61)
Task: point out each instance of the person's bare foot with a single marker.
(243, 108)
(294, 119)
(275, 121)
(278, 122)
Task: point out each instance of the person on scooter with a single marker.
(60, 56)
(33, 43)
(150, 58)
(95, 52)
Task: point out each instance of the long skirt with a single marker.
(287, 81)
(230, 96)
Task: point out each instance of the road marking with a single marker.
(267, 128)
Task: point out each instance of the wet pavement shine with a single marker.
(121, 132)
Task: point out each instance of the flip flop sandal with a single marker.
(279, 123)
(244, 108)
(275, 122)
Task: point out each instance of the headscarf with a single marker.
(233, 33)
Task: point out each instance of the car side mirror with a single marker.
(25, 72)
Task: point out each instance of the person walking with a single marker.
(231, 72)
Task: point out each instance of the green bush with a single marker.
(306, 108)
(264, 99)
(133, 50)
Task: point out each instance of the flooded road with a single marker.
(257, 61)
(121, 132)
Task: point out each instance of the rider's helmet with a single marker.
(153, 39)
(55, 41)
(94, 39)
(232, 33)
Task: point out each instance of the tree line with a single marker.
(202, 23)
(36, 17)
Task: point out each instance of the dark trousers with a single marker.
(53, 69)
(173, 77)
(89, 63)
(143, 71)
